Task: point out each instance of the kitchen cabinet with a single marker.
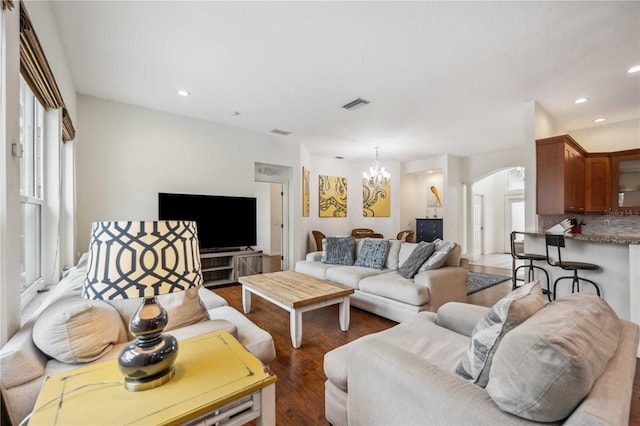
(597, 184)
(560, 170)
(625, 177)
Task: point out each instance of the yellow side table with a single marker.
(217, 381)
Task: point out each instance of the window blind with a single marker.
(38, 75)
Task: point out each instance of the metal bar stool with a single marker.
(558, 242)
(531, 257)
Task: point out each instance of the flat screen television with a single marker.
(224, 223)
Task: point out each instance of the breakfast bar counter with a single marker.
(619, 273)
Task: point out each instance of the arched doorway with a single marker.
(498, 208)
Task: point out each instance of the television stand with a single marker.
(224, 267)
(219, 250)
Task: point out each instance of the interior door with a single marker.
(478, 225)
(513, 218)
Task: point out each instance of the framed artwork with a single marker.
(332, 196)
(305, 191)
(376, 200)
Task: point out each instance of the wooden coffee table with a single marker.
(296, 293)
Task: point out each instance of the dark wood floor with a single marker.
(300, 386)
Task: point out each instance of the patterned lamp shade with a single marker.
(142, 259)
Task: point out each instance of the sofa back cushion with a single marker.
(183, 308)
(338, 250)
(76, 330)
(546, 366)
(393, 255)
(505, 315)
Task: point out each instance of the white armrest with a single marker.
(314, 256)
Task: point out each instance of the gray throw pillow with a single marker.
(339, 250)
(418, 256)
(548, 364)
(439, 257)
(506, 314)
(372, 253)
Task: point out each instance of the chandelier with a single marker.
(377, 175)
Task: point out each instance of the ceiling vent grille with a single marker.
(280, 132)
(356, 103)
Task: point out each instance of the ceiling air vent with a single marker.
(280, 132)
(356, 103)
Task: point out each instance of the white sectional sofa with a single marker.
(570, 362)
(76, 332)
(384, 291)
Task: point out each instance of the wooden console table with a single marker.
(217, 381)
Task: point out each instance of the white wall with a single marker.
(10, 169)
(127, 154)
(276, 219)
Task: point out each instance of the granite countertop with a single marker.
(615, 239)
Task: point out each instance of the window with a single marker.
(31, 192)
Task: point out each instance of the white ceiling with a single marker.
(442, 77)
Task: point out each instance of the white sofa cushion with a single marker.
(393, 286)
(440, 256)
(313, 268)
(183, 308)
(392, 260)
(351, 275)
(563, 348)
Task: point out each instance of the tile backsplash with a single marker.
(613, 224)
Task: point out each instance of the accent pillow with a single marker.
(372, 253)
(339, 250)
(552, 360)
(505, 315)
(393, 255)
(183, 308)
(439, 257)
(418, 256)
(405, 251)
(78, 330)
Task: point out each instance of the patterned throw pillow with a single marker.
(372, 253)
(505, 315)
(439, 257)
(418, 256)
(339, 250)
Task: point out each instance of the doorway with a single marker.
(478, 225)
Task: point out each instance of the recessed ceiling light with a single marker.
(634, 69)
(183, 93)
(580, 100)
(599, 120)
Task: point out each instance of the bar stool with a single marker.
(531, 257)
(558, 242)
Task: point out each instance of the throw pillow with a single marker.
(405, 251)
(421, 253)
(546, 366)
(339, 250)
(440, 255)
(506, 314)
(393, 255)
(78, 330)
(372, 253)
(183, 308)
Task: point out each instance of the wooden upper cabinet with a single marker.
(598, 184)
(560, 171)
(625, 180)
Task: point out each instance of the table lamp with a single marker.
(142, 260)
